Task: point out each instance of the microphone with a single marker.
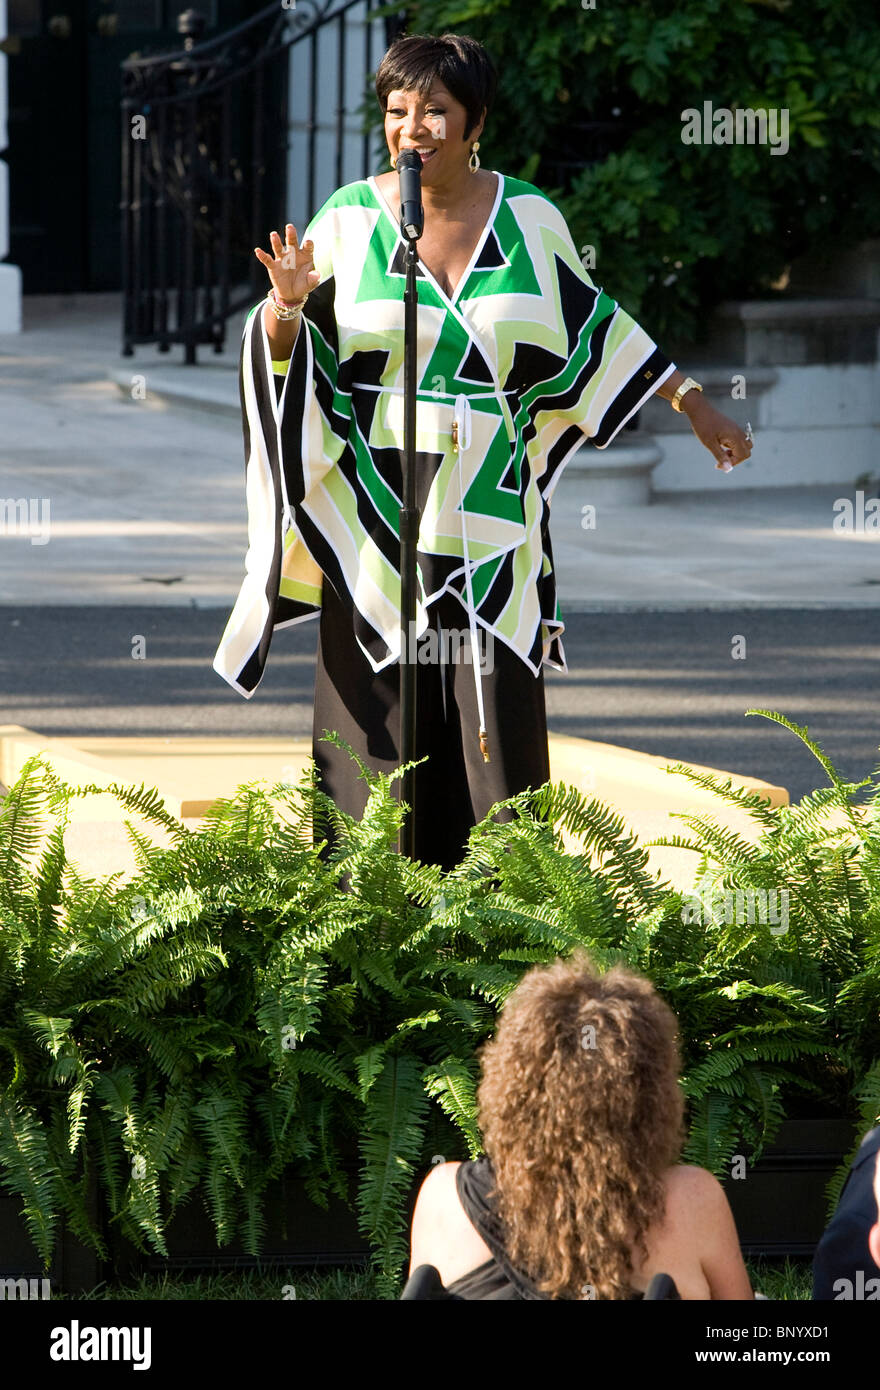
(412, 214)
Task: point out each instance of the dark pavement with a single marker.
(663, 682)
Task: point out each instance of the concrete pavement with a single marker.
(144, 498)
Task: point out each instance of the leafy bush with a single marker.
(812, 990)
(243, 1009)
(677, 228)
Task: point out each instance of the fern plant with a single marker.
(810, 985)
(243, 1009)
(246, 1009)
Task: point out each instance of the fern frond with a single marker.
(845, 790)
(453, 1084)
(604, 834)
(395, 1115)
(28, 1169)
(221, 1120)
(713, 1135)
(145, 801)
(327, 1069)
(21, 827)
(369, 1065)
(754, 802)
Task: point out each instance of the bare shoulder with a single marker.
(700, 1231)
(690, 1178)
(689, 1187)
(442, 1234)
(437, 1184)
(387, 182)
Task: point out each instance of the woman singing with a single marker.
(520, 357)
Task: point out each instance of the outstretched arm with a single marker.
(722, 436)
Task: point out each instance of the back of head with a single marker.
(581, 1113)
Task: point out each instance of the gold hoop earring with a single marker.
(474, 161)
(393, 165)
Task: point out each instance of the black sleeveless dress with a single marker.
(497, 1278)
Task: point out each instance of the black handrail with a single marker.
(204, 164)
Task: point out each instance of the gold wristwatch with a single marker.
(687, 385)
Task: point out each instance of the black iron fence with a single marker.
(206, 152)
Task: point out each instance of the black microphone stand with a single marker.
(410, 519)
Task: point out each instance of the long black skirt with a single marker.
(456, 787)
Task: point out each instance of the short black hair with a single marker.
(415, 62)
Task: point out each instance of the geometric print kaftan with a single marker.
(526, 349)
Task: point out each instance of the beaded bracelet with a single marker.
(282, 310)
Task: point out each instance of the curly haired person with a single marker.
(580, 1193)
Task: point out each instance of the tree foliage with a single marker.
(677, 227)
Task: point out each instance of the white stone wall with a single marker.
(10, 275)
(325, 111)
(812, 425)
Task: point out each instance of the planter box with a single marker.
(780, 1207)
(297, 1233)
(74, 1268)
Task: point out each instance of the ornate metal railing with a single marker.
(205, 157)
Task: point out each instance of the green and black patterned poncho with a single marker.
(527, 352)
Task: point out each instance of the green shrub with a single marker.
(242, 1009)
(811, 991)
(715, 221)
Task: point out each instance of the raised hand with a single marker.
(291, 268)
